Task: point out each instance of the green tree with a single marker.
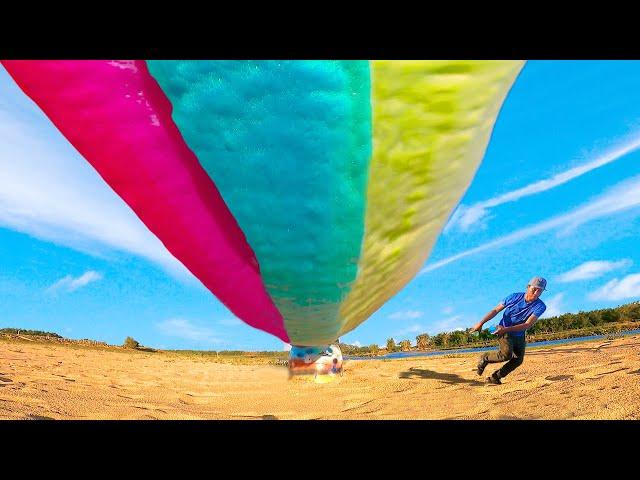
(391, 345)
(610, 315)
(457, 338)
(422, 341)
(485, 335)
(441, 340)
(130, 343)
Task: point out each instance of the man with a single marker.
(521, 310)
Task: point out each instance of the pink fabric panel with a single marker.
(118, 118)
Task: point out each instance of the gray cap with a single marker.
(538, 282)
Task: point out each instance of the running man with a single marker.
(521, 311)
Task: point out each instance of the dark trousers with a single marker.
(511, 350)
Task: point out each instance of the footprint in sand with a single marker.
(612, 371)
(559, 377)
(351, 405)
(5, 380)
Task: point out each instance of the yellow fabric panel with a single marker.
(432, 120)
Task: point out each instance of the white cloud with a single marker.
(230, 322)
(465, 217)
(447, 310)
(554, 306)
(184, 329)
(449, 324)
(406, 315)
(592, 269)
(623, 196)
(627, 288)
(49, 191)
(70, 284)
(413, 329)
(356, 344)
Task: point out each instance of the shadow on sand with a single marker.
(449, 378)
(258, 417)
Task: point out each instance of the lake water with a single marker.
(482, 349)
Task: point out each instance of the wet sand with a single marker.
(592, 380)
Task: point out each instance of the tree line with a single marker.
(22, 331)
(603, 321)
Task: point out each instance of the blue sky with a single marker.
(557, 194)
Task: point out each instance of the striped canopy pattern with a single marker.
(302, 194)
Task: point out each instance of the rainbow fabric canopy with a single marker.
(302, 194)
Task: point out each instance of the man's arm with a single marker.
(518, 328)
(492, 313)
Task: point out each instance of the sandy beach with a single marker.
(591, 380)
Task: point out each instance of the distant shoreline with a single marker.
(233, 356)
(475, 349)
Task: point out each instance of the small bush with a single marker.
(130, 343)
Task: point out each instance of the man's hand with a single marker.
(477, 327)
(499, 331)
(494, 311)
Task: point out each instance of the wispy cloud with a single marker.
(184, 329)
(49, 191)
(70, 284)
(406, 315)
(624, 196)
(449, 324)
(591, 270)
(627, 288)
(413, 329)
(554, 306)
(466, 217)
(447, 310)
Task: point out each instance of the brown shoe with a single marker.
(494, 380)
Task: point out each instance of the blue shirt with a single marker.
(517, 311)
